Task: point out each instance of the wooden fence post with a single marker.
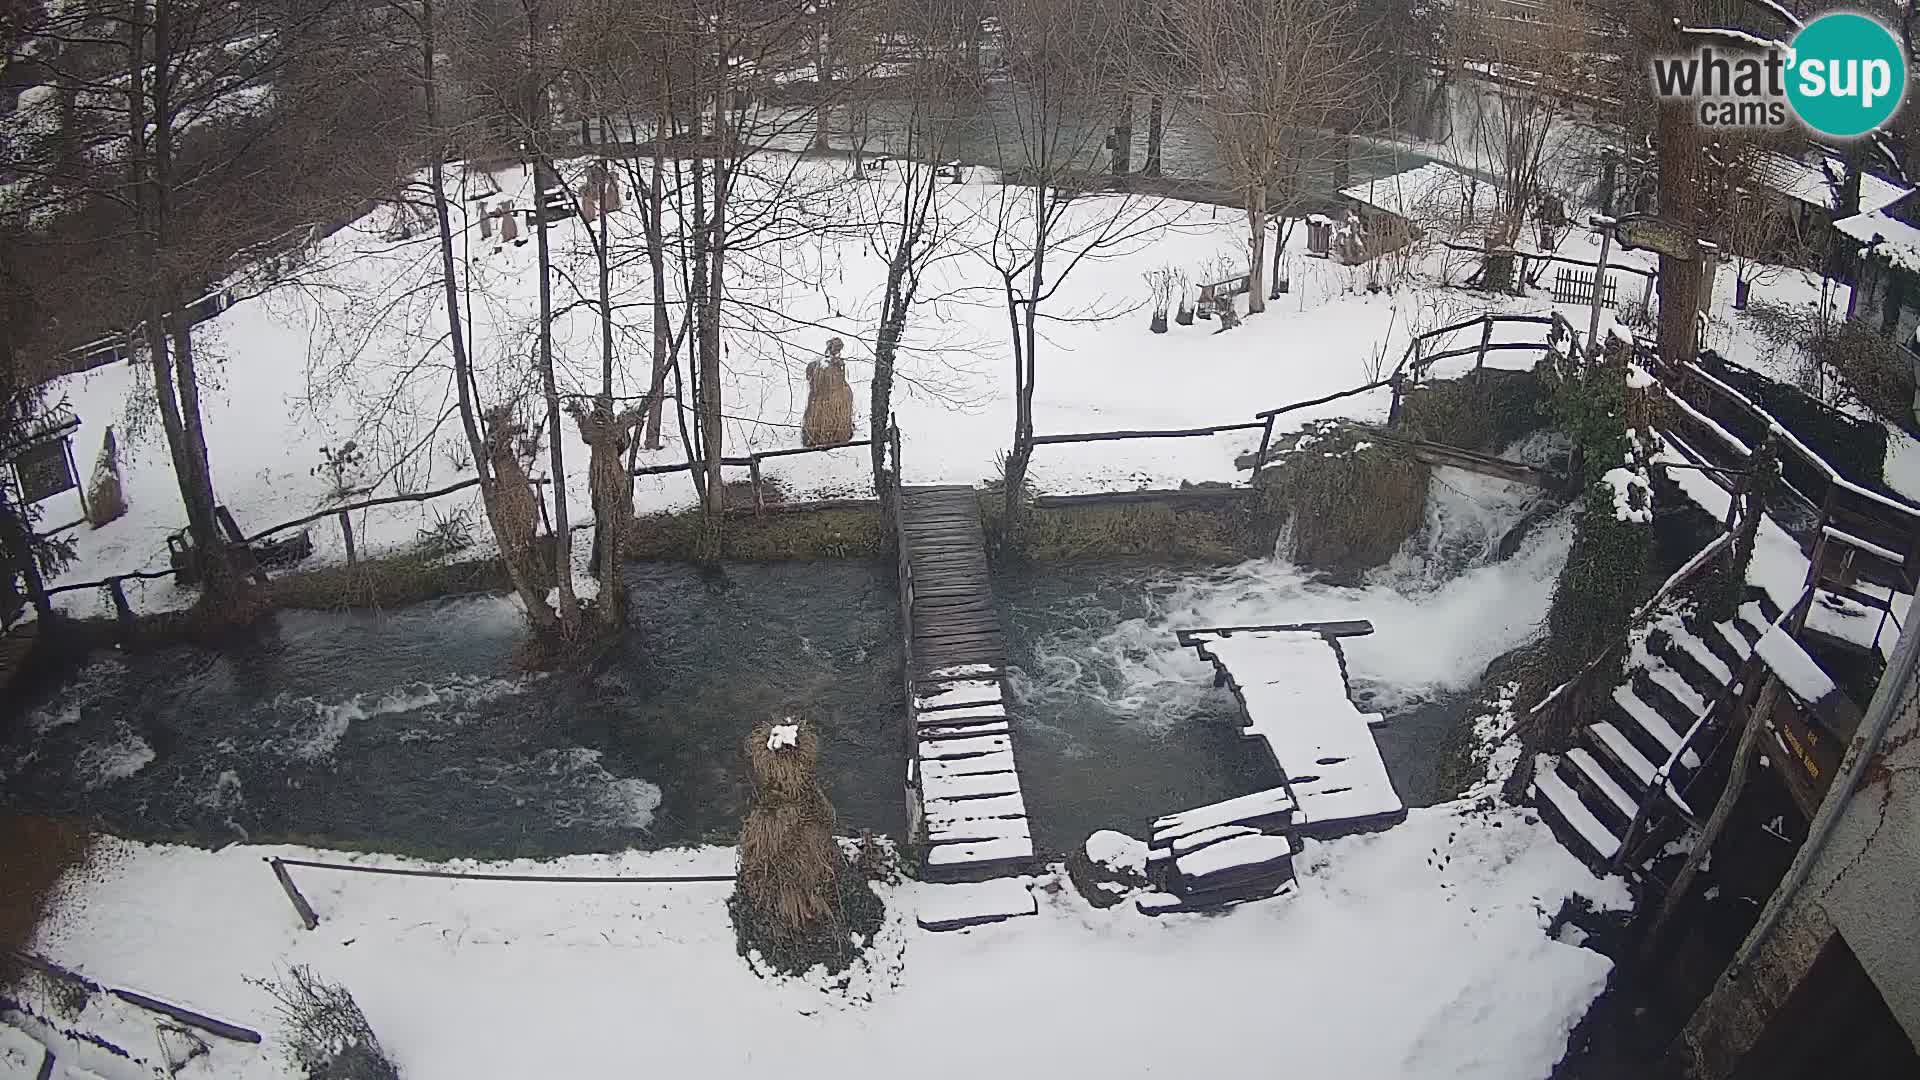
(346, 534)
(1486, 338)
(1266, 440)
(759, 501)
(299, 902)
(122, 611)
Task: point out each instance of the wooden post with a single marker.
(79, 482)
(298, 901)
(1486, 338)
(122, 611)
(1266, 440)
(1393, 410)
(759, 501)
(346, 534)
(1599, 278)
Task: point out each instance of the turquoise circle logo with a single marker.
(1847, 74)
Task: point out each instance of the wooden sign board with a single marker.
(1669, 238)
(43, 471)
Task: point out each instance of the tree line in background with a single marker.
(157, 148)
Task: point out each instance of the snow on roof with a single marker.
(1885, 236)
(1433, 193)
(1808, 183)
(1296, 699)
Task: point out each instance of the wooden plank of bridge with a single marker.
(952, 614)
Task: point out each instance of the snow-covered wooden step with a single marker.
(978, 830)
(1683, 692)
(941, 788)
(975, 765)
(1195, 841)
(1735, 640)
(1566, 802)
(1701, 654)
(965, 714)
(1649, 720)
(1603, 781)
(941, 812)
(1272, 808)
(1616, 744)
(1161, 903)
(960, 748)
(958, 694)
(1252, 855)
(951, 856)
(929, 732)
(1753, 618)
(956, 907)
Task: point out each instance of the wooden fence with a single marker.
(1576, 287)
(115, 587)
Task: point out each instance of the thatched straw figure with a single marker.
(515, 504)
(829, 417)
(106, 500)
(795, 885)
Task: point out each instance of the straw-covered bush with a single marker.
(798, 902)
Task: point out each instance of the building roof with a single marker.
(1434, 194)
(1888, 232)
(1807, 182)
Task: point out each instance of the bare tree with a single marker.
(1047, 224)
(1273, 77)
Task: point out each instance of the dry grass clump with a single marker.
(1351, 506)
(798, 902)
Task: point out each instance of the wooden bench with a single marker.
(953, 172)
(1220, 292)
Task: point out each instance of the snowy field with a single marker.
(352, 349)
(1419, 952)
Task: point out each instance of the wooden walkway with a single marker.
(943, 583)
(963, 790)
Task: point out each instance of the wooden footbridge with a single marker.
(964, 804)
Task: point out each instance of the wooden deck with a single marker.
(963, 789)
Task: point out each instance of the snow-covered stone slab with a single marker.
(953, 695)
(955, 907)
(936, 788)
(985, 851)
(1797, 671)
(1163, 903)
(1001, 762)
(958, 748)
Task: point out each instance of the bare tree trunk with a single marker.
(1256, 248)
(1156, 111)
(1123, 137)
(823, 81)
(556, 437)
(537, 611)
(657, 262)
(1026, 339)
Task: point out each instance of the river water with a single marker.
(414, 730)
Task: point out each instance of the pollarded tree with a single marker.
(1273, 77)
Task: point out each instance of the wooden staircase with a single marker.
(1634, 773)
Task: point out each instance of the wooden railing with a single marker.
(115, 587)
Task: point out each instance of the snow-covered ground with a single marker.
(353, 349)
(1419, 952)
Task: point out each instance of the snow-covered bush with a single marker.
(327, 1036)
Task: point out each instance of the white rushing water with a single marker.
(1442, 609)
